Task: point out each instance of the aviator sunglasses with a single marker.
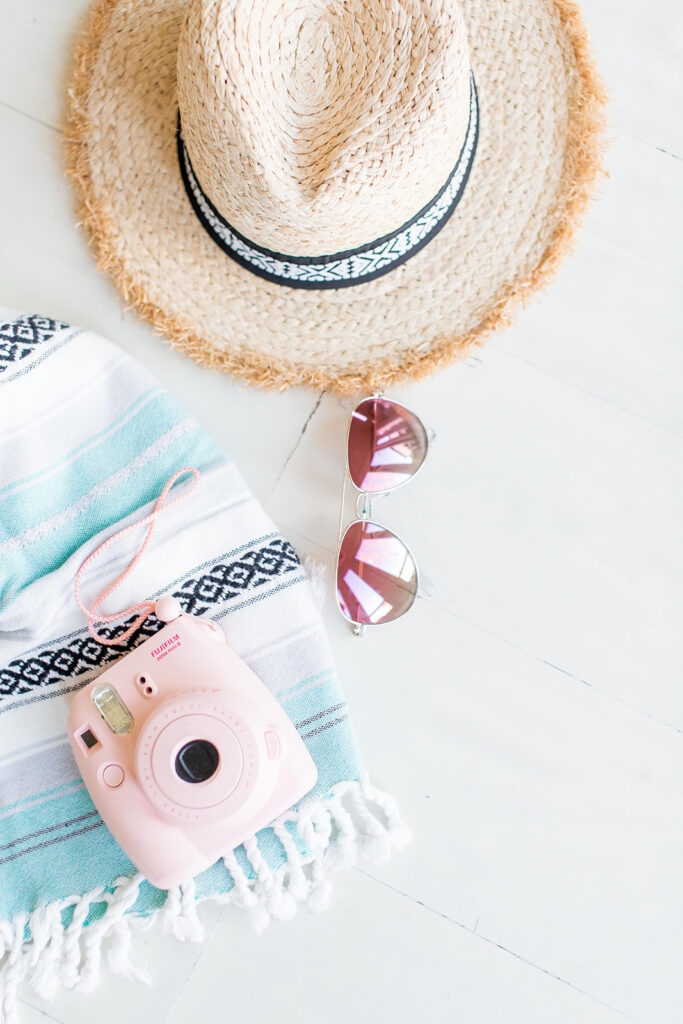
(377, 576)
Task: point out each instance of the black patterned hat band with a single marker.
(345, 268)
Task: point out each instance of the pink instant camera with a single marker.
(184, 751)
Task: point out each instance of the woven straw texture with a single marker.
(317, 126)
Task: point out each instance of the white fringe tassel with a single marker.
(317, 574)
(356, 822)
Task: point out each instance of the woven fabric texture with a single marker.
(87, 441)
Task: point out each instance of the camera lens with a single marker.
(196, 761)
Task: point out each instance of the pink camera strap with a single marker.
(144, 607)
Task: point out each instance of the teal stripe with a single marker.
(284, 694)
(24, 566)
(333, 747)
(314, 699)
(41, 502)
(58, 863)
(40, 796)
(69, 456)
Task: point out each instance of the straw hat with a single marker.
(337, 193)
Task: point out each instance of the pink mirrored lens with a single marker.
(376, 575)
(387, 445)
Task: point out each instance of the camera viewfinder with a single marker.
(88, 739)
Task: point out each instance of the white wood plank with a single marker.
(545, 516)
(610, 322)
(546, 816)
(35, 53)
(116, 1000)
(639, 48)
(374, 956)
(31, 1015)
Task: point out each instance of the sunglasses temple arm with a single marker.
(341, 508)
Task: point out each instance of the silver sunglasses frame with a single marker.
(364, 510)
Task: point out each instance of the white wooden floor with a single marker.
(529, 713)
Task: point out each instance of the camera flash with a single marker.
(113, 710)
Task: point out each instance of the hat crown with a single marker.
(319, 126)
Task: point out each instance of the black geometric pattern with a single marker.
(197, 595)
(341, 269)
(20, 338)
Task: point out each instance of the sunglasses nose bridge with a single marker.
(363, 505)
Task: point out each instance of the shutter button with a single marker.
(113, 776)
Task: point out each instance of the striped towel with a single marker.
(87, 440)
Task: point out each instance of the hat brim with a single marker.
(541, 123)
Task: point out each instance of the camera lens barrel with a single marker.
(197, 761)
